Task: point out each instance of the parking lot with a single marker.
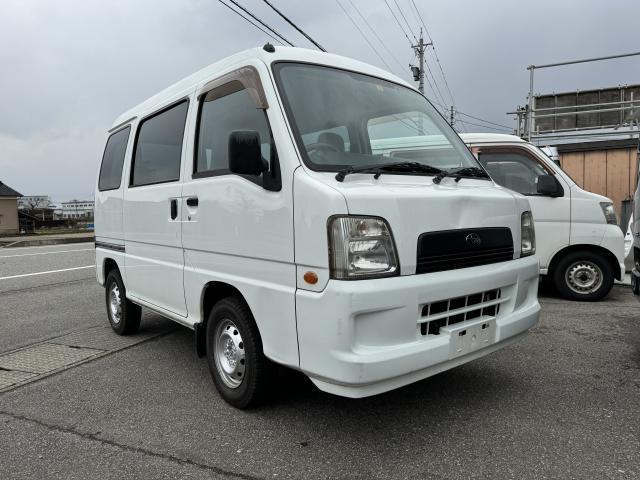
(563, 403)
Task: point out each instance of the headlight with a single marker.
(527, 235)
(361, 247)
(609, 213)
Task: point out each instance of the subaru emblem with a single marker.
(473, 240)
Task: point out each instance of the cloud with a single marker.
(70, 67)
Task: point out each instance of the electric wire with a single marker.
(363, 35)
(277, 40)
(294, 25)
(405, 19)
(402, 67)
(510, 130)
(261, 22)
(398, 22)
(485, 121)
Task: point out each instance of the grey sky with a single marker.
(70, 67)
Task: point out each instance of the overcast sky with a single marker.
(68, 68)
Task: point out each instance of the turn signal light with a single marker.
(311, 278)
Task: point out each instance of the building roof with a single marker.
(7, 191)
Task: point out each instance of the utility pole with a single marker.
(418, 72)
(451, 117)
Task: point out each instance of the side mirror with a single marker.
(245, 156)
(549, 186)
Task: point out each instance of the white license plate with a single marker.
(467, 338)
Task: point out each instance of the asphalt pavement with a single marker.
(562, 403)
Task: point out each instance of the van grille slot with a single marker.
(460, 309)
(454, 249)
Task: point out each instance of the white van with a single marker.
(579, 242)
(245, 203)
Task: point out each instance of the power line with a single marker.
(489, 127)
(398, 21)
(402, 67)
(405, 19)
(252, 23)
(294, 25)
(363, 35)
(483, 120)
(261, 22)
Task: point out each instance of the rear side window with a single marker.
(220, 117)
(112, 160)
(159, 147)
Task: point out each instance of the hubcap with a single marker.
(584, 277)
(115, 304)
(229, 353)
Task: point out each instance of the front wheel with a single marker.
(583, 276)
(239, 369)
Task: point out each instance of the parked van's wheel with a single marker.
(124, 315)
(238, 366)
(583, 276)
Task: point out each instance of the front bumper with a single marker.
(361, 338)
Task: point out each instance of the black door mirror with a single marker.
(245, 156)
(548, 185)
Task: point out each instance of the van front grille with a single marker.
(453, 249)
(460, 309)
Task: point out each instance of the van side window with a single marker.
(159, 147)
(513, 170)
(230, 110)
(112, 160)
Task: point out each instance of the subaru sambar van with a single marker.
(245, 202)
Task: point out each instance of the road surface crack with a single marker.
(137, 450)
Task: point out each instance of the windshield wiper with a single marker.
(458, 173)
(377, 170)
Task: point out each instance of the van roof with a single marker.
(186, 85)
(490, 138)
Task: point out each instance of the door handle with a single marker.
(192, 201)
(174, 208)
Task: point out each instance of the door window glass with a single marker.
(221, 116)
(159, 147)
(513, 170)
(112, 160)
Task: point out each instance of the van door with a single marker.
(152, 211)
(237, 229)
(517, 168)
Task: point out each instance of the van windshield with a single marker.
(345, 119)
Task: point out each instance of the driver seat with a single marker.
(332, 139)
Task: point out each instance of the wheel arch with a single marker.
(211, 294)
(109, 264)
(595, 249)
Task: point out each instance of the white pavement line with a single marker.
(44, 273)
(47, 253)
(54, 245)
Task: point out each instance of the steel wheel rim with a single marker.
(115, 304)
(584, 277)
(229, 353)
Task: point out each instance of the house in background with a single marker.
(8, 210)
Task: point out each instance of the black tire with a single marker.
(583, 276)
(130, 313)
(242, 376)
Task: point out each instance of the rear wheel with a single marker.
(239, 369)
(583, 276)
(124, 315)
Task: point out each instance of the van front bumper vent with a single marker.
(460, 309)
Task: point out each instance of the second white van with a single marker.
(579, 242)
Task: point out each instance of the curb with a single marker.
(47, 241)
